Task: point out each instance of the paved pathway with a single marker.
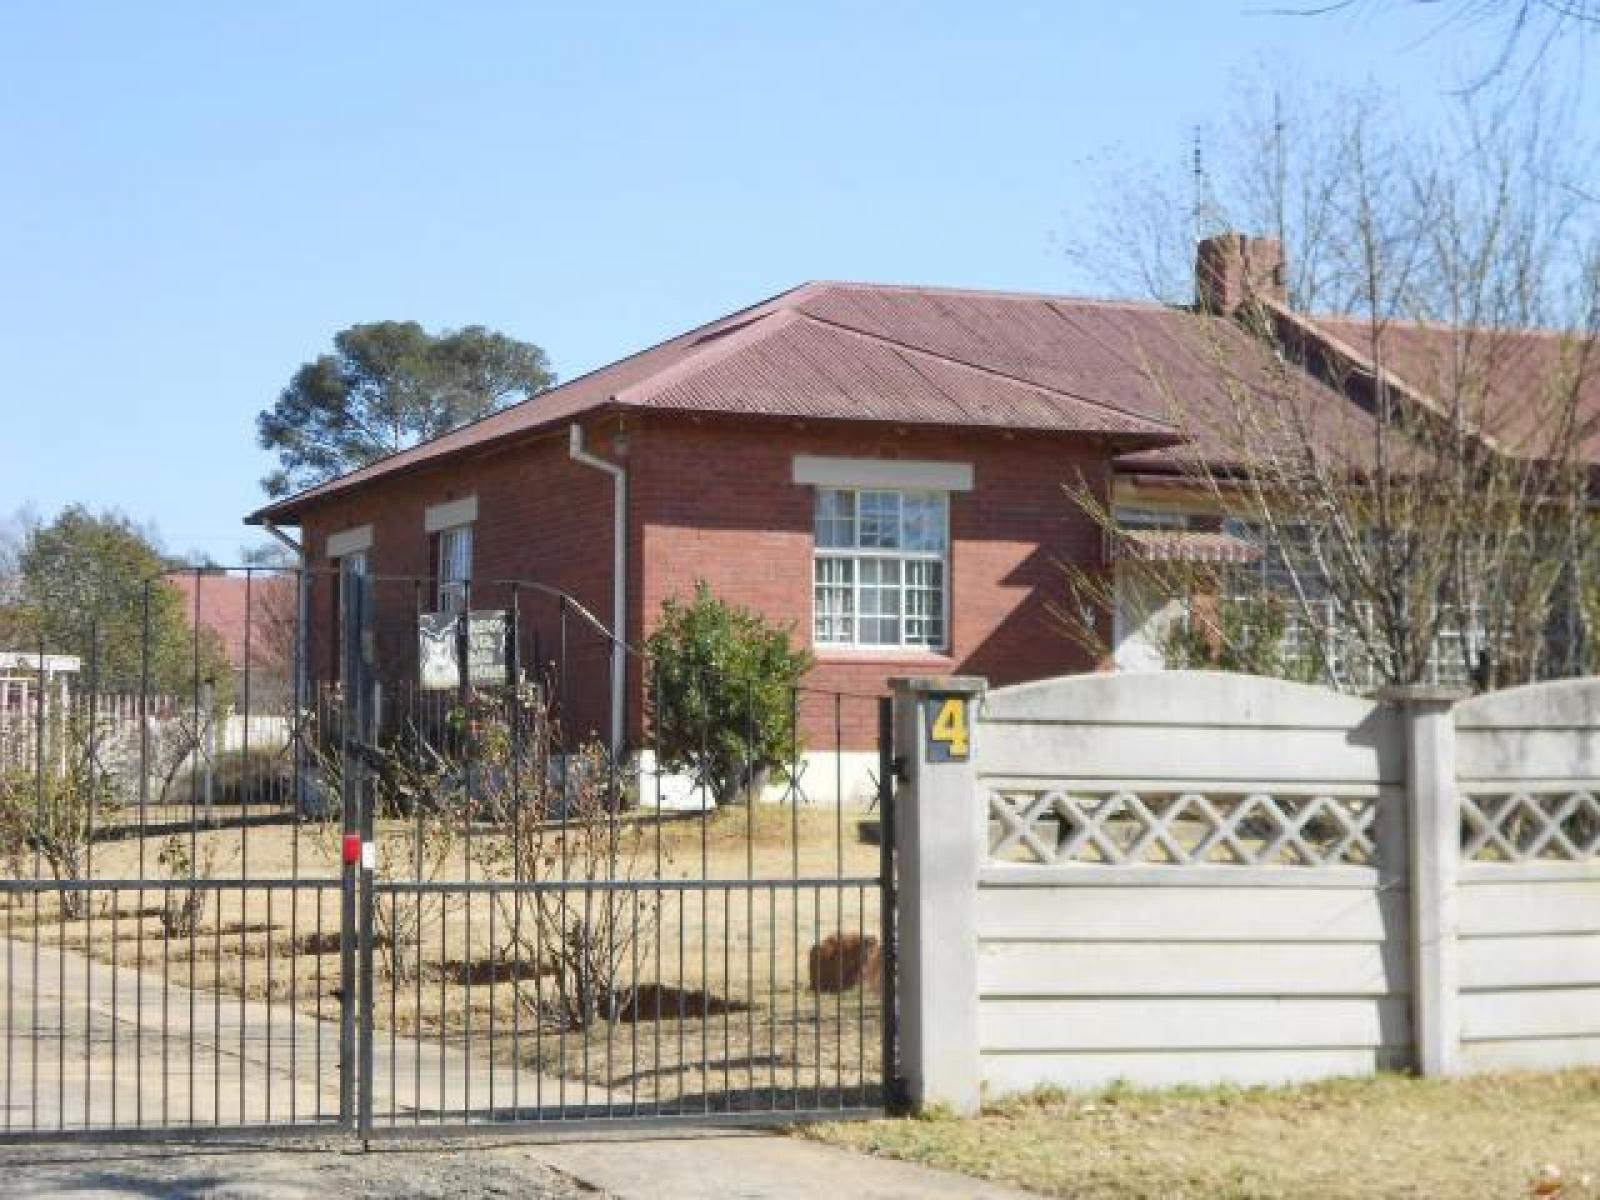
(84, 1043)
(724, 1166)
(757, 1166)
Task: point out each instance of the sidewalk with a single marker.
(722, 1166)
(755, 1166)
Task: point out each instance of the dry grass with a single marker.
(1527, 1135)
(721, 972)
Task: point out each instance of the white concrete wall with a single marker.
(1530, 906)
(1189, 979)
(825, 777)
(1195, 878)
(1530, 966)
(1163, 972)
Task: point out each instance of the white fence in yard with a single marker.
(1188, 877)
(155, 733)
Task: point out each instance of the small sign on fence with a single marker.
(439, 642)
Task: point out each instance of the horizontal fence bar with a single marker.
(158, 885)
(552, 1118)
(202, 1128)
(446, 887)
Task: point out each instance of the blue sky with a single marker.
(195, 196)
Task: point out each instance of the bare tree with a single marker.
(1526, 30)
(1414, 464)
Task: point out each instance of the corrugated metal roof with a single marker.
(1514, 384)
(977, 359)
(860, 352)
(1183, 545)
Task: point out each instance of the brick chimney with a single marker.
(1231, 269)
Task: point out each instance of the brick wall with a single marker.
(714, 500)
(541, 517)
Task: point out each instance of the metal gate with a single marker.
(340, 861)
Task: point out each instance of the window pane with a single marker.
(455, 567)
(880, 601)
(924, 603)
(835, 519)
(879, 520)
(923, 521)
(834, 600)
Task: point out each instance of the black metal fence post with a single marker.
(887, 770)
(354, 622)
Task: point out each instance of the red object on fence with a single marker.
(352, 849)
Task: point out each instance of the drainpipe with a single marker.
(619, 573)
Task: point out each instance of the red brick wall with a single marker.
(541, 517)
(715, 501)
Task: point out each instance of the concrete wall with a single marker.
(1529, 774)
(1203, 954)
(1194, 878)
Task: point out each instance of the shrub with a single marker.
(721, 687)
(53, 815)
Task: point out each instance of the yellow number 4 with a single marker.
(950, 725)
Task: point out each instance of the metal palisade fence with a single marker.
(323, 855)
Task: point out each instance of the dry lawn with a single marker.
(1529, 1135)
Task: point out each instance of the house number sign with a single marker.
(948, 728)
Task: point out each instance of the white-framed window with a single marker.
(881, 572)
(455, 567)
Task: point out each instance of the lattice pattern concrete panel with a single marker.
(1181, 828)
(1526, 826)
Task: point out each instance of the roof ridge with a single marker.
(982, 370)
(700, 358)
(1433, 326)
(937, 289)
(1387, 375)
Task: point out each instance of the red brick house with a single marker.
(881, 466)
(252, 618)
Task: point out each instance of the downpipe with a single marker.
(619, 574)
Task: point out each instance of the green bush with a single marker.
(721, 687)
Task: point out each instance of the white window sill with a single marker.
(902, 656)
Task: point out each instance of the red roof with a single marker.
(257, 610)
(1183, 545)
(901, 355)
(1513, 383)
(1002, 360)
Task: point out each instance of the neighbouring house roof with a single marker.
(1183, 545)
(1511, 381)
(1513, 385)
(252, 616)
(897, 355)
